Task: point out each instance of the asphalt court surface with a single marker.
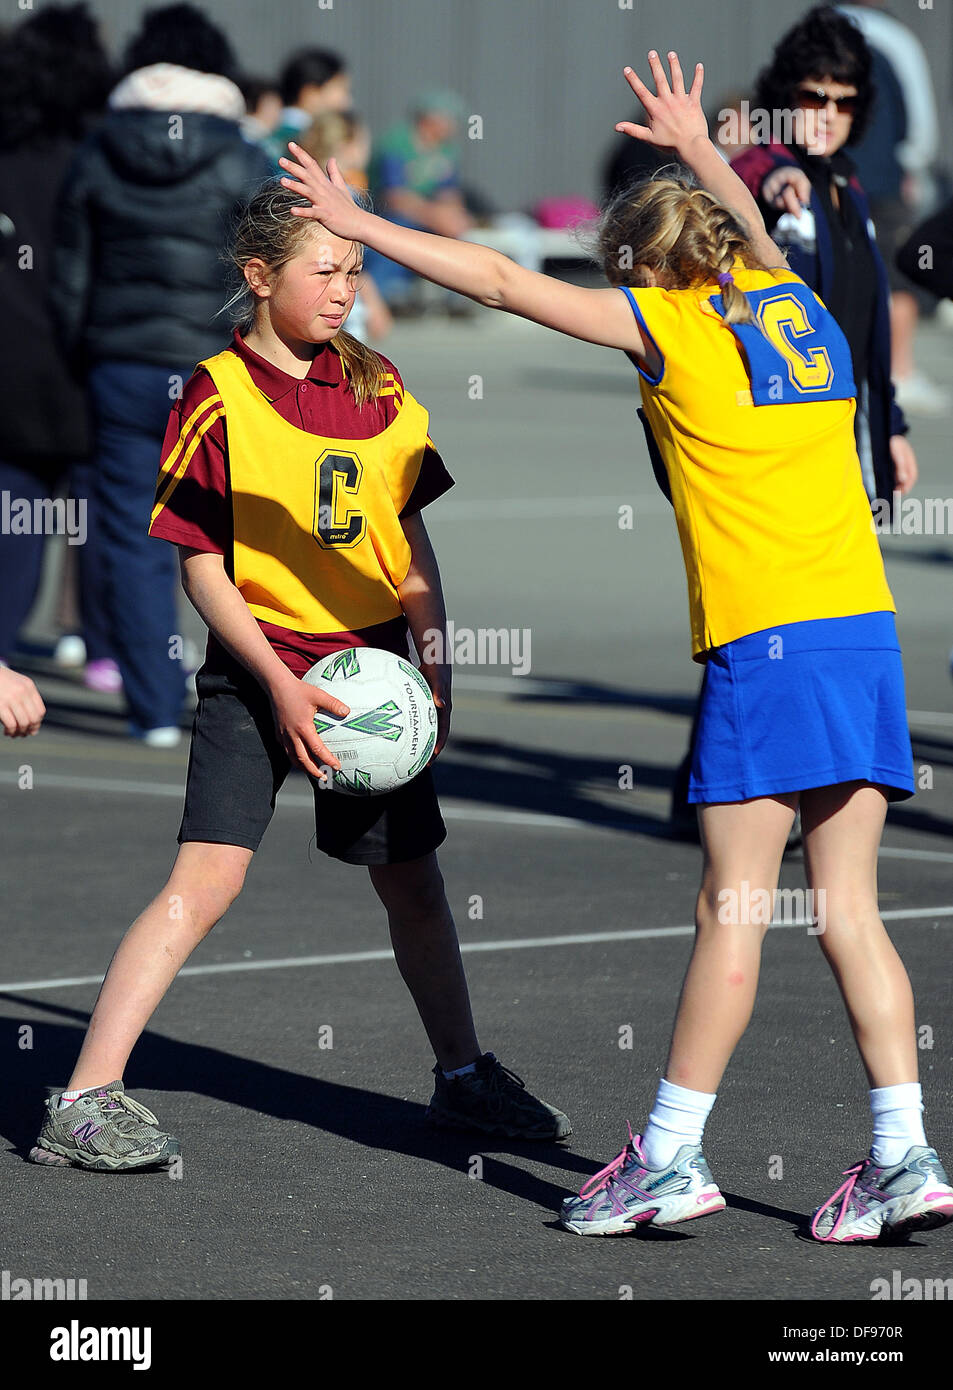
(309, 1168)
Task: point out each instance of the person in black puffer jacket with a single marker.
(54, 79)
(138, 283)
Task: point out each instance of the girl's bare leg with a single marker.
(205, 880)
(842, 826)
(428, 956)
(743, 843)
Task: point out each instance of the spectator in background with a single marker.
(816, 210)
(54, 78)
(262, 108)
(894, 163)
(415, 180)
(343, 136)
(313, 81)
(731, 123)
(137, 285)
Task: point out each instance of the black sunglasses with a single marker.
(817, 98)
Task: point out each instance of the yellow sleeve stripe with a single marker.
(169, 466)
(176, 464)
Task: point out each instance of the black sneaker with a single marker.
(495, 1100)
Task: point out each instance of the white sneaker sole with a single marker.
(667, 1211)
(54, 1156)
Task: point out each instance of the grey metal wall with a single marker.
(545, 75)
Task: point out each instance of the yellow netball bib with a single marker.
(318, 544)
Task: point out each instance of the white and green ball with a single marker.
(389, 735)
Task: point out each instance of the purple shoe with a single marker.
(103, 676)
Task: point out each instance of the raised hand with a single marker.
(331, 202)
(675, 117)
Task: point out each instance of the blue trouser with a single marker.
(391, 278)
(21, 556)
(94, 624)
(130, 404)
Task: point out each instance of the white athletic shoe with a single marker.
(626, 1193)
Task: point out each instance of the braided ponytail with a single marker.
(676, 229)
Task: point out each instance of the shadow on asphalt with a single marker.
(554, 782)
(363, 1117)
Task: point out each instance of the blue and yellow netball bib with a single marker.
(770, 504)
(812, 360)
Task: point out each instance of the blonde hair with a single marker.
(267, 230)
(678, 230)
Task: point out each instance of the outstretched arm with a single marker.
(595, 316)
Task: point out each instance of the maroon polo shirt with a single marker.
(198, 511)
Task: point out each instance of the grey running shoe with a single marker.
(627, 1193)
(496, 1101)
(913, 1195)
(103, 1129)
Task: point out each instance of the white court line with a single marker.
(929, 716)
(305, 800)
(526, 943)
(64, 782)
(936, 856)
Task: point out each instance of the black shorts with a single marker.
(237, 766)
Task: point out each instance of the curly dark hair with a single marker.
(824, 43)
(55, 76)
(181, 34)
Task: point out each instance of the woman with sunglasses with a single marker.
(818, 91)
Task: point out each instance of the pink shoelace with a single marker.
(845, 1191)
(602, 1179)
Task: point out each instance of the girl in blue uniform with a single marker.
(747, 389)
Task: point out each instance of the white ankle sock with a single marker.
(898, 1123)
(67, 1098)
(678, 1117)
(460, 1071)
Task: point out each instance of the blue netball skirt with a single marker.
(804, 705)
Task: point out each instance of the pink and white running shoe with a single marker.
(626, 1193)
(913, 1195)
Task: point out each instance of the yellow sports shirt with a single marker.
(318, 545)
(755, 430)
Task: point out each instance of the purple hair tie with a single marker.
(726, 278)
